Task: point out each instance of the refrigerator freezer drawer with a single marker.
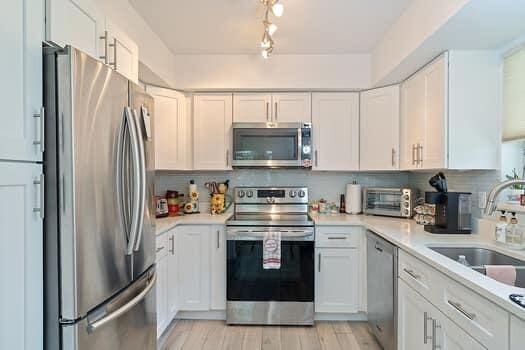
(128, 321)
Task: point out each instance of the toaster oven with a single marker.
(396, 202)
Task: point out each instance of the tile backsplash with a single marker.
(328, 185)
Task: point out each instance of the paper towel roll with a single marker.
(353, 201)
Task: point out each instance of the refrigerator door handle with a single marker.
(136, 215)
(92, 327)
(142, 177)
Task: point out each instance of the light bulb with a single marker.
(278, 9)
(272, 28)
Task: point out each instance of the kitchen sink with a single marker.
(479, 257)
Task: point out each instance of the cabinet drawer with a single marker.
(338, 237)
(417, 274)
(483, 320)
(161, 246)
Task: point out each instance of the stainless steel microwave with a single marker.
(272, 145)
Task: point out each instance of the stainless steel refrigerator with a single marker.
(100, 221)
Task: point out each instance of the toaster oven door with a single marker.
(387, 202)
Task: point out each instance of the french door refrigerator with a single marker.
(100, 224)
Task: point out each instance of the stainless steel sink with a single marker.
(479, 257)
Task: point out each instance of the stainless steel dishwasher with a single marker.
(382, 290)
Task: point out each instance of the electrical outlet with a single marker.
(482, 200)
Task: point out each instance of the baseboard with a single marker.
(221, 315)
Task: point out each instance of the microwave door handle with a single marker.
(299, 145)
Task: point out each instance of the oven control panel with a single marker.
(271, 195)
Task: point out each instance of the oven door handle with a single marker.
(286, 235)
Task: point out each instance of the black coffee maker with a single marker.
(452, 211)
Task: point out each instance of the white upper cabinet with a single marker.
(379, 129)
(120, 52)
(77, 23)
(252, 107)
(172, 127)
(21, 247)
(276, 107)
(212, 136)
(291, 107)
(449, 113)
(335, 124)
(21, 34)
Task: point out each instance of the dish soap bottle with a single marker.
(501, 228)
(514, 234)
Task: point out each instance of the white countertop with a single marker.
(410, 237)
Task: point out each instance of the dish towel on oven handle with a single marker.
(272, 250)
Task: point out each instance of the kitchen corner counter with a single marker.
(165, 224)
(411, 237)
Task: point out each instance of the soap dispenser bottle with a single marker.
(514, 234)
(501, 228)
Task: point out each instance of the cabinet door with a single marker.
(212, 131)
(21, 34)
(172, 277)
(335, 124)
(170, 128)
(517, 333)
(379, 125)
(434, 152)
(412, 120)
(337, 282)
(21, 260)
(414, 323)
(218, 268)
(77, 23)
(122, 52)
(252, 107)
(193, 263)
(291, 107)
(450, 337)
(162, 290)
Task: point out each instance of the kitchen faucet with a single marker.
(490, 206)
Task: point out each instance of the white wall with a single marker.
(208, 72)
(152, 51)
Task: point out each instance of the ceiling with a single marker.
(234, 26)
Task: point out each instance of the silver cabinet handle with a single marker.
(319, 268)
(338, 238)
(316, 158)
(267, 111)
(420, 155)
(393, 157)
(426, 337)
(414, 156)
(114, 46)
(172, 240)
(159, 249)
(218, 239)
(42, 129)
(412, 274)
(41, 183)
(105, 38)
(435, 326)
(275, 115)
(471, 316)
(227, 157)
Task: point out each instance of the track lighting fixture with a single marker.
(277, 9)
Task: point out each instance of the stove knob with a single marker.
(302, 193)
(249, 194)
(240, 194)
(293, 193)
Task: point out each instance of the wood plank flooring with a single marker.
(216, 335)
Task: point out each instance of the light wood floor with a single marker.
(216, 335)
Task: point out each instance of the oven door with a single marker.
(267, 145)
(248, 281)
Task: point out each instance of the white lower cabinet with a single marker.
(21, 256)
(218, 268)
(193, 259)
(422, 326)
(171, 276)
(517, 333)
